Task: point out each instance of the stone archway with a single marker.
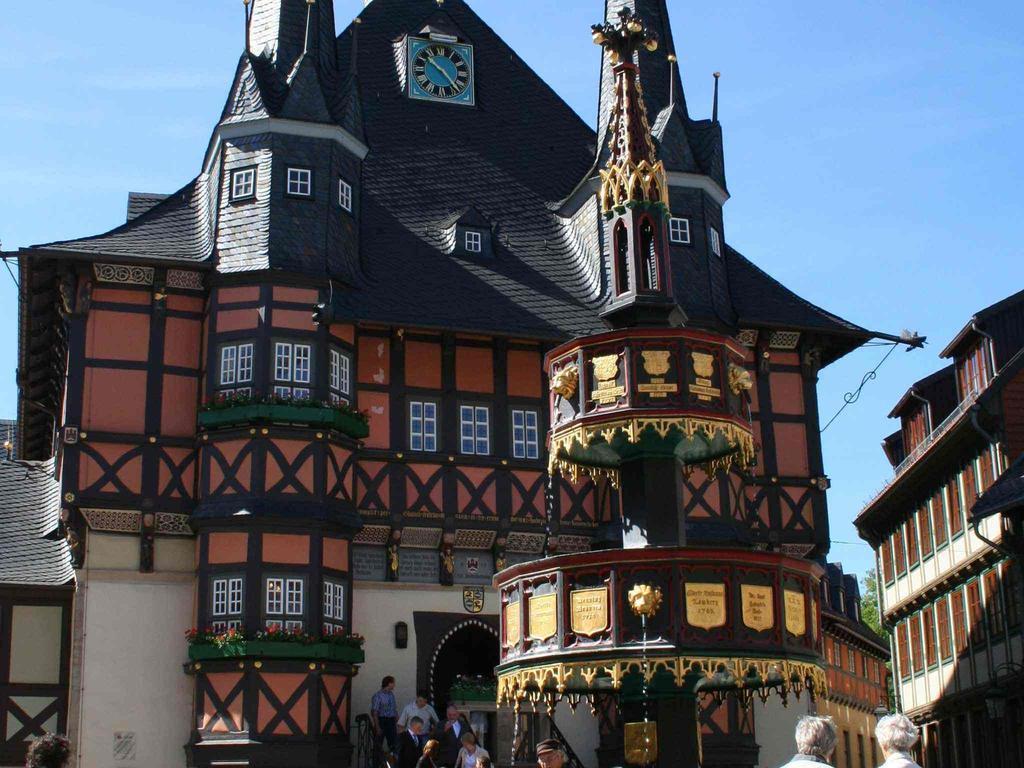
(470, 647)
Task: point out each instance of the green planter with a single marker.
(269, 649)
(323, 417)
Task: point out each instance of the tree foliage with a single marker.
(869, 612)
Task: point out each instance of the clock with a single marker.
(440, 71)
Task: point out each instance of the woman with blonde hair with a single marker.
(471, 752)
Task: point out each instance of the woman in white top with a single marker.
(897, 735)
(470, 753)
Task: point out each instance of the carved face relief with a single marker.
(565, 381)
(739, 379)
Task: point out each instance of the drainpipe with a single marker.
(928, 407)
(990, 363)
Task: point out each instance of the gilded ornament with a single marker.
(566, 381)
(645, 600)
(606, 367)
(448, 562)
(703, 364)
(656, 362)
(739, 379)
(641, 743)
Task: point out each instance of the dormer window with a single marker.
(300, 182)
(679, 231)
(474, 241)
(345, 195)
(243, 184)
(715, 241)
(972, 370)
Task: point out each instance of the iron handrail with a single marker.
(571, 758)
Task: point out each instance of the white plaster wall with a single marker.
(132, 652)
(774, 726)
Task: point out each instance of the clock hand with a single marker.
(440, 69)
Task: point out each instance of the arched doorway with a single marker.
(470, 649)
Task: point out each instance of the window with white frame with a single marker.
(475, 430)
(235, 369)
(474, 242)
(679, 231)
(284, 602)
(300, 182)
(525, 442)
(422, 425)
(243, 184)
(334, 607)
(340, 376)
(715, 240)
(226, 603)
(292, 369)
(345, 195)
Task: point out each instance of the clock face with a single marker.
(440, 71)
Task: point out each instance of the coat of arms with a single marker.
(606, 368)
(703, 364)
(656, 362)
(473, 599)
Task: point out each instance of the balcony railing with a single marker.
(935, 434)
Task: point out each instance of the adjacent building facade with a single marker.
(856, 659)
(303, 394)
(948, 586)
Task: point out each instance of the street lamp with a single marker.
(995, 697)
(880, 711)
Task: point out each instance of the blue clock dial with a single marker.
(440, 71)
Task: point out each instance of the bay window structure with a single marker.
(284, 603)
(236, 366)
(292, 370)
(340, 376)
(334, 607)
(226, 604)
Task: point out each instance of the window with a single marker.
(942, 623)
(916, 657)
(422, 426)
(993, 604)
(474, 242)
(525, 443)
(345, 195)
(887, 560)
(226, 603)
(959, 621)
(861, 757)
(975, 612)
(970, 487)
(972, 371)
(1013, 597)
(334, 607)
(924, 520)
(928, 616)
(913, 555)
(847, 750)
(903, 652)
(284, 598)
(715, 240)
(901, 555)
(300, 182)
(340, 378)
(243, 184)
(649, 254)
(985, 475)
(851, 660)
(475, 430)
(621, 244)
(292, 369)
(939, 521)
(956, 522)
(679, 231)
(236, 369)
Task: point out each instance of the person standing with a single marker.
(449, 734)
(471, 752)
(430, 752)
(897, 735)
(384, 713)
(410, 744)
(816, 740)
(550, 754)
(420, 708)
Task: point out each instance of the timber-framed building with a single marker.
(304, 393)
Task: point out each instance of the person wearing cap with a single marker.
(550, 754)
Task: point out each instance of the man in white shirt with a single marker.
(420, 708)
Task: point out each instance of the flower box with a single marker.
(258, 413)
(271, 649)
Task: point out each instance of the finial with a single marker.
(671, 79)
(624, 39)
(714, 106)
(248, 17)
(309, 24)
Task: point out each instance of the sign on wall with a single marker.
(705, 605)
(589, 610)
(543, 616)
(758, 613)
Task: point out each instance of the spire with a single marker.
(714, 105)
(634, 190)
(634, 174)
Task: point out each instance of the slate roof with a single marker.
(32, 549)
(140, 202)
(1004, 495)
(511, 159)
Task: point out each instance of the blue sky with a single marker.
(872, 149)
